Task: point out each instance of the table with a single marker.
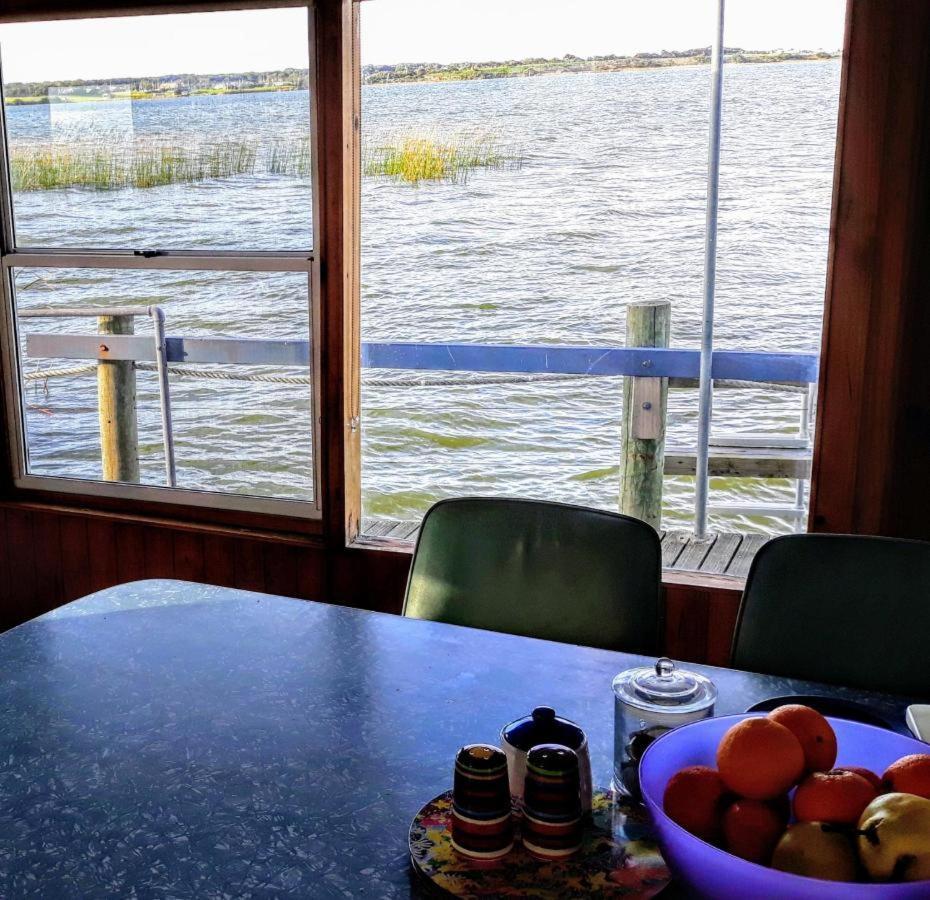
(168, 739)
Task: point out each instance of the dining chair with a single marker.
(847, 609)
(546, 570)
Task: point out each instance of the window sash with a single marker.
(12, 257)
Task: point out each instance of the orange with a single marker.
(838, 797)
(694, 798)
(759, 759)
(751, 829)
(867, 774)
(909, 775)
(818, 740)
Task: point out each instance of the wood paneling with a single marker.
(51, 556)
(700, 616)
(874, 406)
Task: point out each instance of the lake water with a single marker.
(605, 208)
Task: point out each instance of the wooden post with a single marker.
(648, 324)
(116, 403)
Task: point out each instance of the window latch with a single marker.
(147, 254)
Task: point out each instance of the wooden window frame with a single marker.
(218, 507)
(874, 397)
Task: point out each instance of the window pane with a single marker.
(538, 175)
(175, 132)
(244, 429)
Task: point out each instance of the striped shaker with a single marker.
(481, 819)
(552, 802)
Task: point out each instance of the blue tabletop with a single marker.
(167, 739)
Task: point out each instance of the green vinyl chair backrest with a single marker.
(546, 570)
(846, 609)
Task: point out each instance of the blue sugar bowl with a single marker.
(543, 726)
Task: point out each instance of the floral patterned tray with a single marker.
(618, 858)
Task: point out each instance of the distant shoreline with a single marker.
(407, 73)
(141, 95)
(169, 87)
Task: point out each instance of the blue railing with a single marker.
(736, 365)
(672, 363)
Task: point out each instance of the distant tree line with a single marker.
(168, 85)
(513, 68)
(183, 84)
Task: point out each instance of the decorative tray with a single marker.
(618, 858)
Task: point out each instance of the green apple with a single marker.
(894, 838)
(808, 848)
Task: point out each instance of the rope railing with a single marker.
(461, 380)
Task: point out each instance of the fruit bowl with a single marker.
(713, 873)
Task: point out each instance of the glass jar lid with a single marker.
(664, 688)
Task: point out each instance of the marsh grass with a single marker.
(432, 157)
(37, 167)
(112, 165)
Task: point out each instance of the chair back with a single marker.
(846, 609)
(546, 570)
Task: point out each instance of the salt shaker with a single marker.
(649, 701)
(552, 826)
(481, 816)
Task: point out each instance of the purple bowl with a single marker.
(710, 872)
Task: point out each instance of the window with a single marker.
(528, 176)
(158, 258)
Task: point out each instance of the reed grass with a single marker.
(430, 157)
(112, 165)
(47, 167)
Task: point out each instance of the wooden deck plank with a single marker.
(743, 557)
(721, 554)
(673, 544)
(377, 527)
(409, 532)
(725, 553)
(692, 557)
(401, 530)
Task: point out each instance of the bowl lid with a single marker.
(664, 688)
(543, 727)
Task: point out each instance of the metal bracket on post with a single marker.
(646, 404)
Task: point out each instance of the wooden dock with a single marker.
(721, 554)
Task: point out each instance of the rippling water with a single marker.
(606, 208)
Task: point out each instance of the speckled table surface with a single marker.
(166, 739)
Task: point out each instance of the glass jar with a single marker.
(649, 701)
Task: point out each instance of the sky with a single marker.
(396, 31)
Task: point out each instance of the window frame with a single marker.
(302, 514)
(864, 248)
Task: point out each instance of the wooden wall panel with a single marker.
(6, 591)
(189, 562)
(74, 546)
(873, 407)
(19, 547)
(101, 539)
(52, 556)
(219, 561)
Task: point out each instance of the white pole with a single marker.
(706, 384)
